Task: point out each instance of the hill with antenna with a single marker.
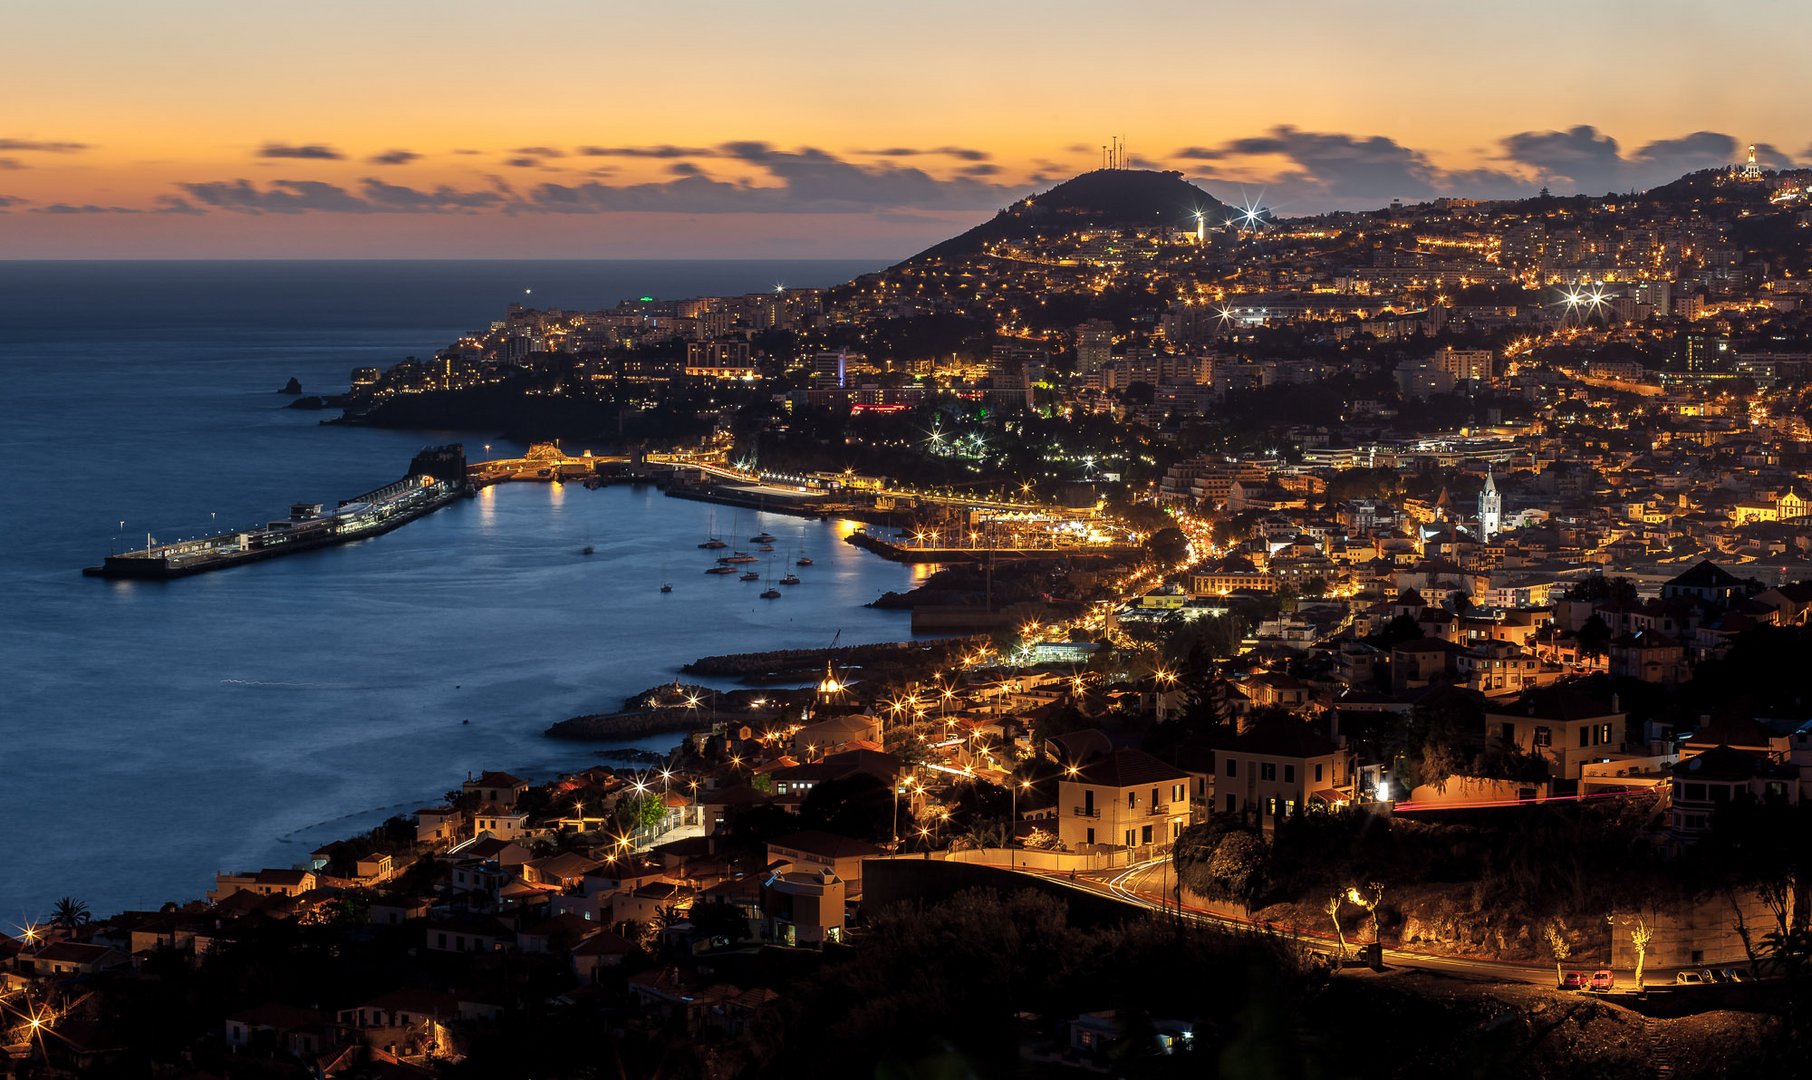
(1106, 198)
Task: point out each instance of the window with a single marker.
(1604, 735)
(1289, 774)
(1091, 837)
(1231, 807)
(1131, 838)
(1267, 771)
(1176, 793)
(1145, 835)
(1318, 773)
(1132, 799)
(1232, 766)
(1543, 737)
(1508, 733)
(1585, 735)
(1154, 798)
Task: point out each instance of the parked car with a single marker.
(1689, 978)
(1602, 980)
(1573, 980)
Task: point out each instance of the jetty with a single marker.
(436, 477)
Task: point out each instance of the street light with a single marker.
(1013, 824)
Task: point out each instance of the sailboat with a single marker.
(770, 593)
(666, 586)
(712, 541)
(804, 559)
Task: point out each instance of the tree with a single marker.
(1642, 931)
(1555, 934)
(1237, 867)
(1594, 636)
(1332, 907)
(69, 913)
(859, 805)
(1168, 546)
(719, 919)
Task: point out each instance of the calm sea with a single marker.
(152, 733)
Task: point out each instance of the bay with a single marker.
(152, 733)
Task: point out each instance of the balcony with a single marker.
(1086, 811)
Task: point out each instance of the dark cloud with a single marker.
(1332, 166)
(280, 197)
(646, 151)
(960, 153)
(983, 169)
(394, 157)
(305, 152)
(468, 153)
(10, 200)
(394, 197)
(303, 196)
(1323, 170)
(1582, 159)
(538, 151)
(683, 168)
(42, 146)
(11, 163)
(806, 180)
(84, 208)
(176, 204)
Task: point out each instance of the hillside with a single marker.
(1105, 197)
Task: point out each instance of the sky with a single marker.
(794, 129)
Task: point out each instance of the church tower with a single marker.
(1491, 508)
(1752, 170)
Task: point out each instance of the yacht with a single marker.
(804, 560)
(739, 557)
(763, 538)
(790, 579)
(713, 544)
(753, 575)
(771, 594)
(721, 570)
(666, 588)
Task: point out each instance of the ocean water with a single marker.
(152, 733)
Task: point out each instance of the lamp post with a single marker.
(1013, 824)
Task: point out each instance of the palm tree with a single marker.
(69, 913)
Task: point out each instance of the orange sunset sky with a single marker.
(408, 128)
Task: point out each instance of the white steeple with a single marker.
(1491, 508)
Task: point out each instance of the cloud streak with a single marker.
(314, 196)
(393, 157)
(41, 146)
(303, 152)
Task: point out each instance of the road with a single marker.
(1150, 885)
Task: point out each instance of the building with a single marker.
(1278, 769)
(813, 851)
(1723, 775)
(1124, 799)
(803, 907)
(495, 787)
(1560, 724)
(1094, 346)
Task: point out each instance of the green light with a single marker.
(647, 299)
